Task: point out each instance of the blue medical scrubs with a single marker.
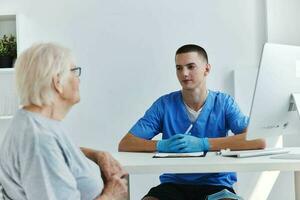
(168, 115)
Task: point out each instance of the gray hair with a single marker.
(35, 69)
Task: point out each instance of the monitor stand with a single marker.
(295, 103)
(294, 106)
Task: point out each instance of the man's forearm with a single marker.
(132, 143)
(236, 142)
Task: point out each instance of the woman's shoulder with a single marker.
(27, 131)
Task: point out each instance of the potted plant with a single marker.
(8, 51)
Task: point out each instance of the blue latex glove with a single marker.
(171, 145)
(189, 143)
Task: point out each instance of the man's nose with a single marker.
(185, 71)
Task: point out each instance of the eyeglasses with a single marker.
(76, 71)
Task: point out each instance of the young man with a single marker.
(212, 115)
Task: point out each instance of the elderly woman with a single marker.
(37, 158)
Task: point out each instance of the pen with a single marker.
(222, 151)
(188, 130)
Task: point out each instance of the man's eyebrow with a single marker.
(186, 64)
(191, 64)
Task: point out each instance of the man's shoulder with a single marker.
(221, 96)
(170, 99)
(220, 99)
(174, 94)
(170, 96)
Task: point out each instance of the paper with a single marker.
(287, 156)
(254, 153)
(179, 155)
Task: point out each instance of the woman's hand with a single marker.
(116, 188)
(109, 166)
(113, 175)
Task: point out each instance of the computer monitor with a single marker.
(272, 111)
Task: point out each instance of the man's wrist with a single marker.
(158, 145)
(206, 144)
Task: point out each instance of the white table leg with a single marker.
(297, 185)
(128, 181)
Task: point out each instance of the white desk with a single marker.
(143, 163)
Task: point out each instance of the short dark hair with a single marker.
(193, 48)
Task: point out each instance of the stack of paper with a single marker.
(178, 155)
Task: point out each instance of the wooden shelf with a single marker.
(6, 70)
(7, 17)
(8, 26)
(6, 117)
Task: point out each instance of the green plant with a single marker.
(8, 46)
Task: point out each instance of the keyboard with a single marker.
(254, 153)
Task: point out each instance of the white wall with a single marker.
(7, 26)
(284, 27)
(283, 21)
(126, 49)
(269, 185)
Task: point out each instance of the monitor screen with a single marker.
(277, 79)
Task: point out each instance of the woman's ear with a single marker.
(207, 69)
(57, 84)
